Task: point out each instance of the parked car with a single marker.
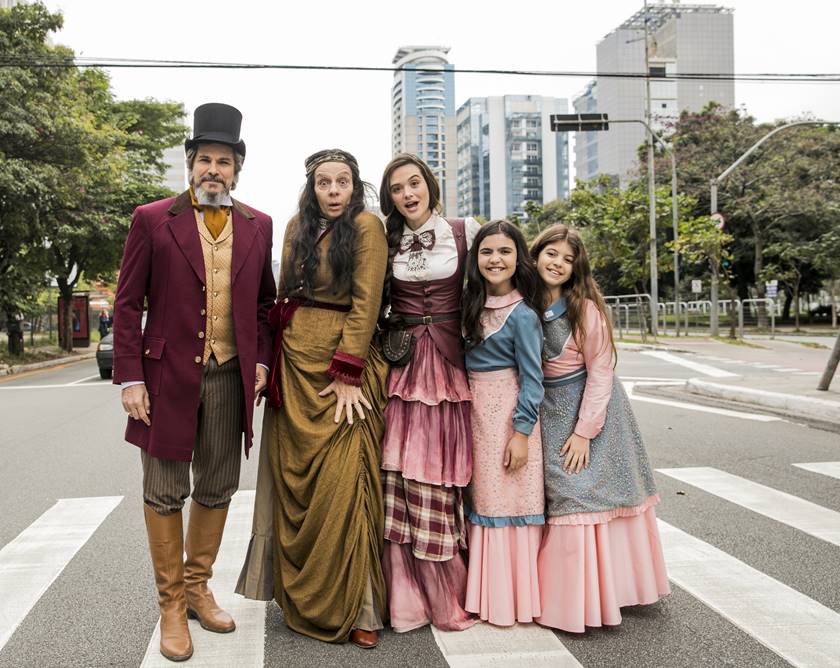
(105, 353)
(105, 356)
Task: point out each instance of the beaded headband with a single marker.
(330, 156)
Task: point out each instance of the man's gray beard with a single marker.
(214, 200)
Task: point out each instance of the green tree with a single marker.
(93, 159)
(789, 179)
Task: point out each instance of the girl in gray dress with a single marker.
(601, 549)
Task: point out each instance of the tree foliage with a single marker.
(74, 162)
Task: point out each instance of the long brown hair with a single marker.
(302, 265)
(580, 286)
(525, 280)
(394, 220)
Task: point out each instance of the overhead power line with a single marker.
(58, 62)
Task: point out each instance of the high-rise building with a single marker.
(586, 143)
(175, 177)
(682, 39)
(423, 114)
(508, 155)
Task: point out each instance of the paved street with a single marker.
(750, 521)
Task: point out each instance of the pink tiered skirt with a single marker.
(503, 582)
(589, 570)
(421, 591)
(427, 419)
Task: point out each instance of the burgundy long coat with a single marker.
(163, 266)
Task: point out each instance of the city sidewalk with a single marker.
(761, 382)
(78, 355)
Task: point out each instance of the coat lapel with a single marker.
(185, 231)
(244, 233)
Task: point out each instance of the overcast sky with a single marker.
(288, 115)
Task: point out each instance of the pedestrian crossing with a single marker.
(797, 628)
(31, 562)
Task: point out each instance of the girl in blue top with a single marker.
(501, 320)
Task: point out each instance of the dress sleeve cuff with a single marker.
(523, 427)
(587, 429)
(346, 368)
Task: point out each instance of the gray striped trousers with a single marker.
(216, 453)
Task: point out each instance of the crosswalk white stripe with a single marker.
(705, 369)
(522, 645)
(794, 626)
(785, 508)
(825, 468)
(786, 370)
(756, 417)
(30, 563)
(246, 645)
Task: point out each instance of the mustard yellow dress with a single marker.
(327, 510)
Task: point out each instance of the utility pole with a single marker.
(654, 274)
(831, 366)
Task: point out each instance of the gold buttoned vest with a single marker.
(218, 334)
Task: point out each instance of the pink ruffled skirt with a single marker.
(502, 582)
(588, 571)
(420, 592)
(427, 419)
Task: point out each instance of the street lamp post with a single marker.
(601, 122)
(713, 203)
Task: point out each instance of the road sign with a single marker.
(771, 289)
(579, 122)
(718, 219)
(696, 286)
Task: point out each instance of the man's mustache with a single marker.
(212, 179)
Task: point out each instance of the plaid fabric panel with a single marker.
(430, 517)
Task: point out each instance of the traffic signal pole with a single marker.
(600, 123)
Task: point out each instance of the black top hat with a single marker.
(216, 123)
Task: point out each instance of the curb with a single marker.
(46, 364)
(810, 407)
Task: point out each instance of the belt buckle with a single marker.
(427, 320)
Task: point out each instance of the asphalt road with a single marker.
(61, 438)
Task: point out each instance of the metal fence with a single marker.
(630, 315)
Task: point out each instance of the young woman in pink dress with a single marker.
(427, 448)
(601, 549)
(504, 345)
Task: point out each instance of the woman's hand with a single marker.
(348, 397)
(516, 452)
(576, 450)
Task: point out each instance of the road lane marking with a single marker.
(9, 388)
(825, 468)
(522, 645)
(705, 369)
(30, 563)
(86, 378)
(246, 645)
(779, 506)
(797, 628)
(639, 380)
(756, 417)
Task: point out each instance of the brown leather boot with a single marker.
(166, 544)
(204, 535)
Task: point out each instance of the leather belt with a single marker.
(429, 318)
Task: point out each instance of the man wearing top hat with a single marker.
(201, 264)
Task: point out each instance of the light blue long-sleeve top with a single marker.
(516, 345)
